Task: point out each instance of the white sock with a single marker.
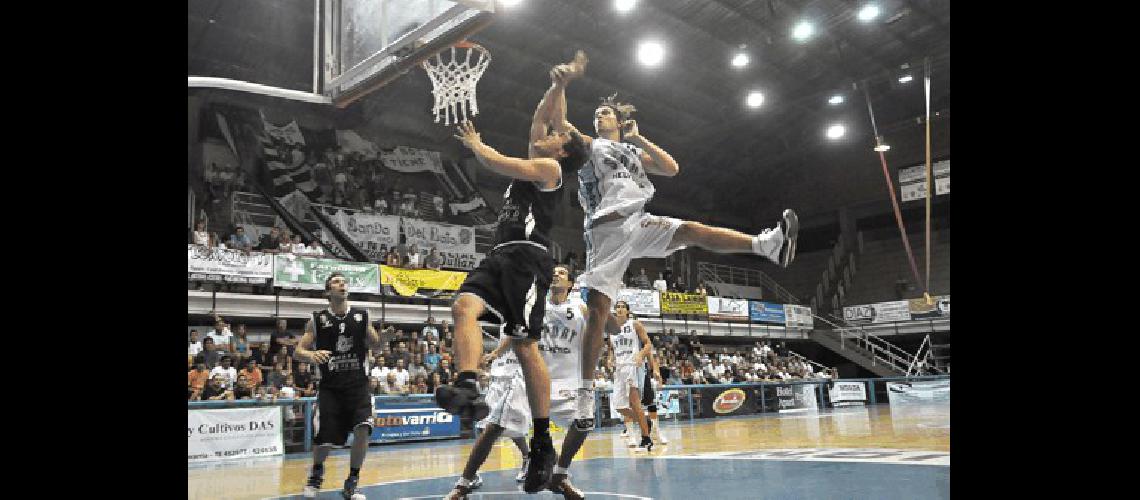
(464, 481)
(768, 243)
(558, 469)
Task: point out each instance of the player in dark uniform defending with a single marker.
(511, 283)
(337, 340)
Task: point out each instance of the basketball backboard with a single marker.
(357, 47)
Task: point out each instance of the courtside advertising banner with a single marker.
(406, 421)
(796, 398)
(925, 392)
(847, 393)
(725, 309)
(407, 282)
(719, 401)
(880, 312)
(766, 312)
(668, 402)
(213, 264)
(798, 316)
(234, 433)
(641, 302)
(919, 309)
(683, 303)
(304, 273)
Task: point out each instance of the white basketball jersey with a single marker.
(613, 180)
(561, 344)
(625, 344)
(506, 365)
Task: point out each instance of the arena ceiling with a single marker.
(741, 162)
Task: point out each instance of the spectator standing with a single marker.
(221, 336)
(280, 339)
(240, 344)
(659, 284)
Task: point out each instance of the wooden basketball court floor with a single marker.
(874, 452)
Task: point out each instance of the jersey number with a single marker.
(342, 328)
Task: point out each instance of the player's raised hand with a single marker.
(468, 136)
(564, 73)
(629, 129)
(578, 65)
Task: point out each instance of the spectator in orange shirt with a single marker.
(252, 372)
(196, 380)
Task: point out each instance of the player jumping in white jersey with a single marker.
(563, 325)
(630, 348)
(613, 189)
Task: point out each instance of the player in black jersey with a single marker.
(511, 283)
(337, 340)
(655, 376)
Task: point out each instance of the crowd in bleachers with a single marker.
(225, 364)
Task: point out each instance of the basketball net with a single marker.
(453, 80)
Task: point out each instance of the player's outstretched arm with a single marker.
(655, 160)
(551, 110)
(546, 171)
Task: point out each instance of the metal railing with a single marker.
(881, 350)
(720, 273)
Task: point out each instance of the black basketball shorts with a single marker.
(648, 395)
(339, 411)
(513, 281)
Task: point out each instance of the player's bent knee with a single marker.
(466, 306)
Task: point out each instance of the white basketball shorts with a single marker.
(611, 245)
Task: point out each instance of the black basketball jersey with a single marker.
(527, 213)
(347, 338)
